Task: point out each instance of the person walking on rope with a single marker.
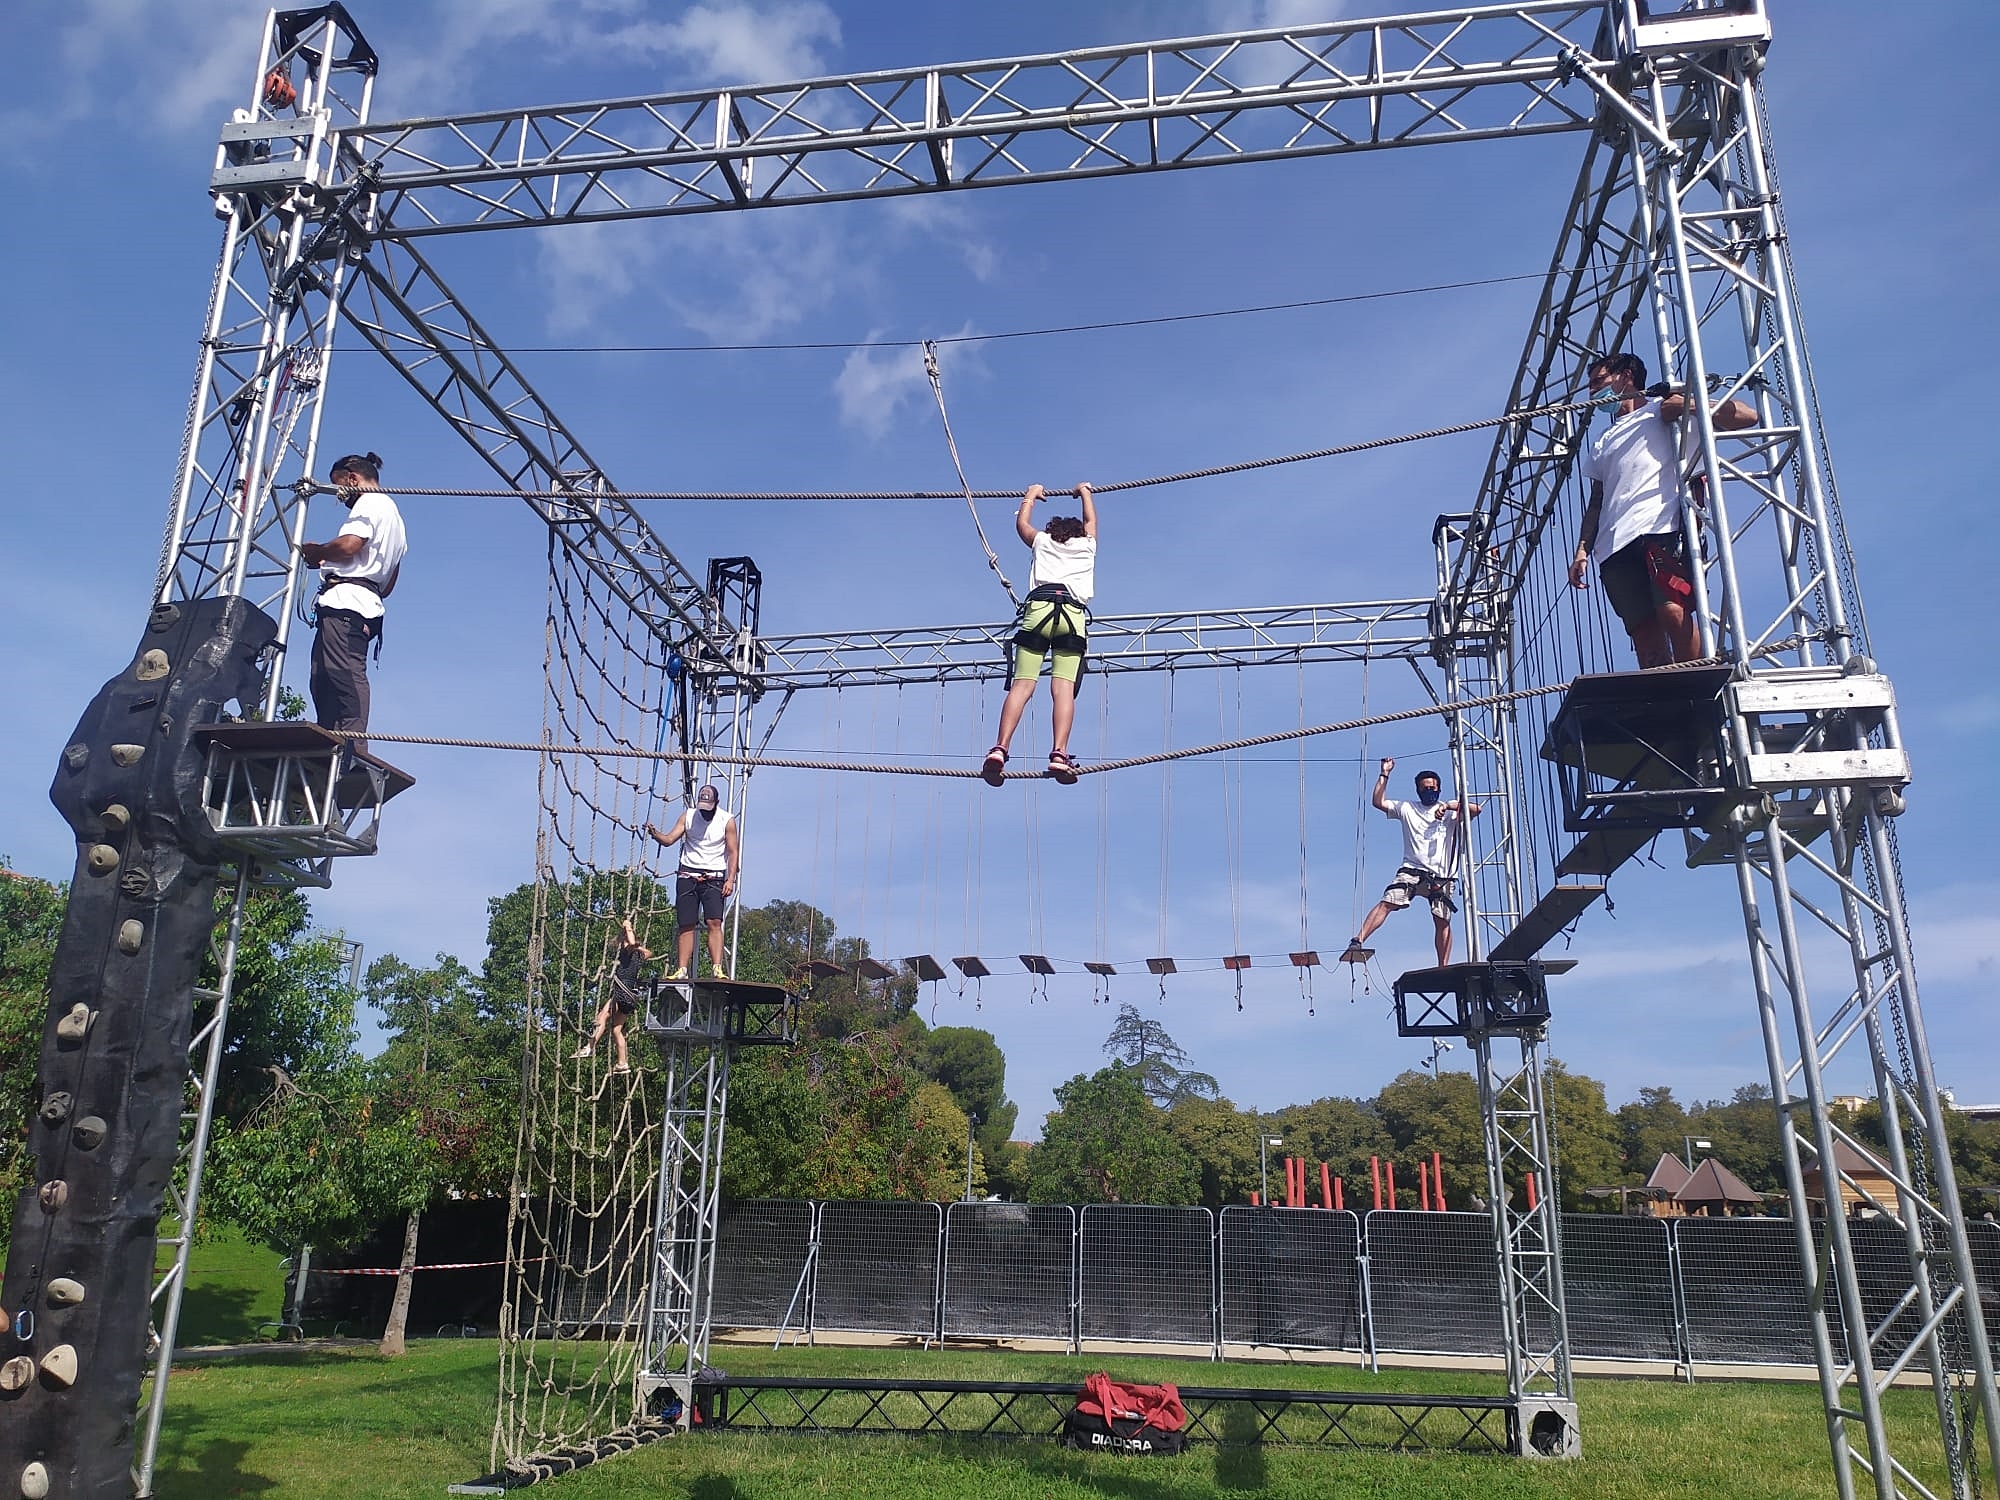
(709, 852)
(358, 570)
(1430, 855)
(621, 997)
(1633, 524)
(1053, 626)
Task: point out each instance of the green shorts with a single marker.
(1050, 629)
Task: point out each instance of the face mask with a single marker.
(1428, 795)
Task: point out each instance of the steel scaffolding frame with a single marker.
(1676, 217)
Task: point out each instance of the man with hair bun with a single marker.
(1053, 626)
(358, 571)
(1432, 834)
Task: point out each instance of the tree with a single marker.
(969, 1063)
(31, 916)
(1222, 1142)
(453, 1066)
(1587, 1137)
(1426, 1115)
(1649, 1127)
(1107, 1142)
(1343, 1133)
(1157, 1061)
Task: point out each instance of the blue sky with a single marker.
(1889, 196)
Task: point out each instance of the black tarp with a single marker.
(1146, 1274)
(1009, 1270)
(760, 1252)
(878, 1267)
(1290, 1278)
(1618, 1282)
(1434, 1282)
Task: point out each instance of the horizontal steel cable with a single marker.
(883, 768)
(313, 487)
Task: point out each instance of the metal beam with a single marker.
(1183, 641)
(1467, 73)
(402, 307)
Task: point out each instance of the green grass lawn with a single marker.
(233, 1286)
(354, 1426)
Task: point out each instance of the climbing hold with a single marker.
(55, 1108)
(75, 1026)
(89, 1133)
(65, 1292)
(54, 1194)
(103, 859)
(127, 755)
(59, 1366)
(15, 1374)
(35, 1481)
(131, 935)
(76, 757)
(116, 818)
(152, 666)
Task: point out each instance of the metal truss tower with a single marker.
(1676, 227)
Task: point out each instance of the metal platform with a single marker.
(1497, 998)
(722, 1010)
(1640, 750)
(1360, 1421)
(294, 796)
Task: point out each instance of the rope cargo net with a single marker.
(579, 1230)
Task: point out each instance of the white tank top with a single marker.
(702, 849)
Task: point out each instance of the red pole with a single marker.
(1437, 1179)
(1339, 1193)
(1295, 1185)
(1325, 1187)
(1423, 1185)
(1531, 1192)
(1389, 1181)
(1254, 1203)
(1375, 1170)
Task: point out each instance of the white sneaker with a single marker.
(585, 1050)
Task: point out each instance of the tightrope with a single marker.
(313, 487)
(885, 768)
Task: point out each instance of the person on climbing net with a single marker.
(1431, 830)
(1053, 626)
(709, 852)
(621, 997)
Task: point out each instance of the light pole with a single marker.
(1691, 1142)
(1264, 1167)
(1438, 1050)
(971, 1124)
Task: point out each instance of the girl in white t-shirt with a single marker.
(1053, 626)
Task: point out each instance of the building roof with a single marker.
(1712, 1182)
(1669, 1175)
(1853, 1161)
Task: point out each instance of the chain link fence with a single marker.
(1671, 1292)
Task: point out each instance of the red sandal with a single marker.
(1063, 767)
(995, 770)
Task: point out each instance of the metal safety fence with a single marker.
(1661, 1291)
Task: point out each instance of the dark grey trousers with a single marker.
(340, 670)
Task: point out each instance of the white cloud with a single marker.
(729, 43)
(873, 384)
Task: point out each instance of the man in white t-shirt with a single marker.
(1053, 625)
(1431, 844)
(710, 850)
(1632, 525)
(358, 570)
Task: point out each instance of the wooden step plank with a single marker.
(1562, 905)
(1604, 851)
